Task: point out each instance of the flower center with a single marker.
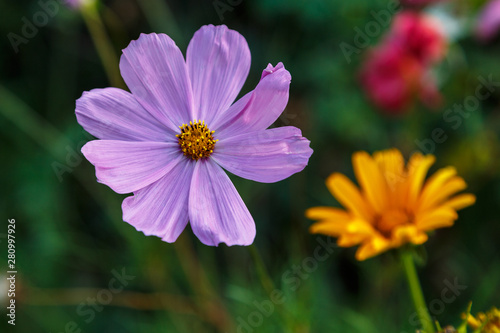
(390, 219)
(196, 140)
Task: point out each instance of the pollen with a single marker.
(196, 140)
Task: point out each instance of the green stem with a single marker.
(416, 291)
(161, 19)
(103, 44)
(215, 310)
(262, 272)
(268, 285)
(34, 125)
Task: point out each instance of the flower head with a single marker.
(168, 140)
(394, 205)
(489, 322)
(397, 72)
(393, 79)
(419, 35)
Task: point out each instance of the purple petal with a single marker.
(161, 209)
(267, 156)
(216, 211)
(258, 109)
(127, 166)
(218, 61)
(114, 114)
(155, 72)
(488, 22)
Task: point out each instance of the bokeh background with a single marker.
(71, 240)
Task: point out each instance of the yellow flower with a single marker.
(394, 206)
(489, 321)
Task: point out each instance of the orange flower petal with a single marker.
(441, 217)
(433, 184)
(327, 213)
(360, 227)
(391, 163)
(371, 180)
(417, 169)
(437, 195)
(407, 234)
(329, 228)
(461, 201)
(371, 248)
(348, 195)
(390, 160)
(348, 240)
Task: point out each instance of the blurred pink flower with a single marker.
(488, 23)
(420, 35)
(397, 72)
(393, 79)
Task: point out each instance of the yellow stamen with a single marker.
(198, 138)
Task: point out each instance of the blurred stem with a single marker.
(31, 123)
(416, 290)
(268, 285)
(127, 299)
(103, 44)
(214, 309)
(62, 68)
(160, 18)
(262, 272)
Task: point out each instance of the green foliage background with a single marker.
(70, 235)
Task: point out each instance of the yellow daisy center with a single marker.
(196, 140)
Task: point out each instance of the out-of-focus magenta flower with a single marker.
(393, 79)
(397, 72)
(388, 77)
(488, 23)
(170, 138)
(419, 35)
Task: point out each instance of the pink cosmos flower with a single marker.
(168, 140)
(488, 23)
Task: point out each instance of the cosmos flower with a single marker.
(395, 204)
(488, 22)
(168, 140)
